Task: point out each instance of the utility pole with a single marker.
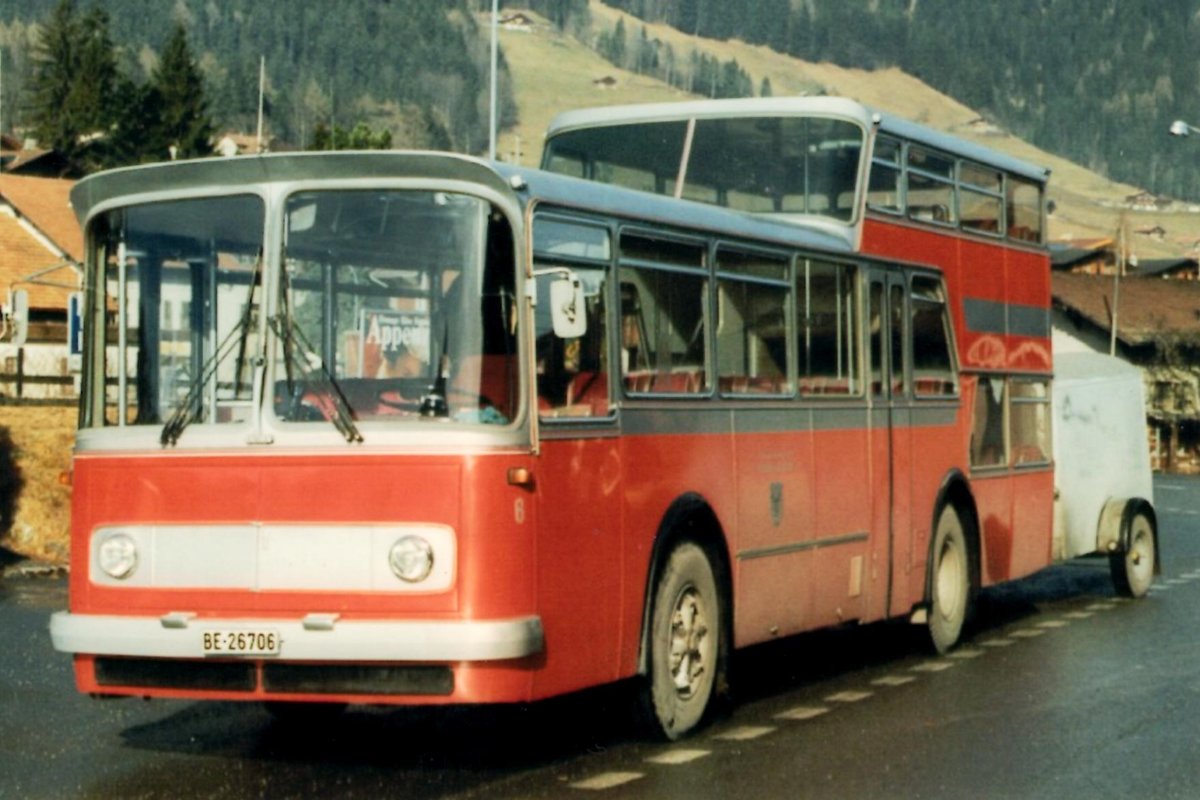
(495, 78)
(262, 80)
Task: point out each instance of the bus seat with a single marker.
(591, 389)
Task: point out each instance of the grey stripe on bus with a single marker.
(799, 547)
(990, 316)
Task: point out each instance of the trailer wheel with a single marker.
(683, 644)
(950, 590)
(1133, 570)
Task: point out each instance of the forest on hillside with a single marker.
(418, 69)
(1097, 81)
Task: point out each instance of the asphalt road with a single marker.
(1061, 691)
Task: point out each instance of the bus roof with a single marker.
(524, 185)
(838, 107)
(230, 175)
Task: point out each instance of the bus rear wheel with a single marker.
(1133, 570)
(684, 647)
(950, 590)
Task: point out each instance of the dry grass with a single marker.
(41, 441)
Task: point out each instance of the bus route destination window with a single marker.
(663, 286)
(572, 374)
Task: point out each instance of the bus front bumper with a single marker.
(316, 637)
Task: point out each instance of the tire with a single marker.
(950, 589)
(1133, 569)
(684, 646)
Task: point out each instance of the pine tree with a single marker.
(56, 61)
(184, 121)
(92, 98)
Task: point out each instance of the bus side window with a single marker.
(932, 360)
(1030, 421)
(572, 374)
(829, 329)
(753, 323)
(667, 278)
(987, 423)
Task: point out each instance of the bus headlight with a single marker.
(117, 556)
(411, 559)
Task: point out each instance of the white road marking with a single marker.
(998, 642)
(1053, 623)
(966, 653)
(1028, 633)
(607, 780)
(848, 696)
(679, 756)
(744, 733)
(932, 666)
(1079, 614)
(803, 712)
(893, 680)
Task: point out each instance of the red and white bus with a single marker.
(414, 428)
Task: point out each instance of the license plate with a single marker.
(240, 642)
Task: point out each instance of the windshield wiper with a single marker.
(300, 356)
(191, 408)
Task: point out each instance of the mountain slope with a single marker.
(553, 71)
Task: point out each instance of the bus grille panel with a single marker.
(158, 673)
(357, 679)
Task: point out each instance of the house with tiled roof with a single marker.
(41, 247)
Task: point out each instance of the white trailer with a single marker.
(1104, 501)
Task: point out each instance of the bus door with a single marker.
(891, 442)
(578, 482)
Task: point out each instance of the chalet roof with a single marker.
(46, 204)
(1153, 267)
(1148, 307)
(40, 204)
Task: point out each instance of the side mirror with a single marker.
(568, 309)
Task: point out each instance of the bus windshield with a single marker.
(763, 164)
(385, 305)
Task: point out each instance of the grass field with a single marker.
(40, 439)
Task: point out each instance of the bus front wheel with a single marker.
(684, 648)
(950, 591)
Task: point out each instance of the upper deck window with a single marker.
(930, 192)
(644, 156)
(1024, 201)
(780, 164)
(979, 198)
(885, 191)
(938, 188)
